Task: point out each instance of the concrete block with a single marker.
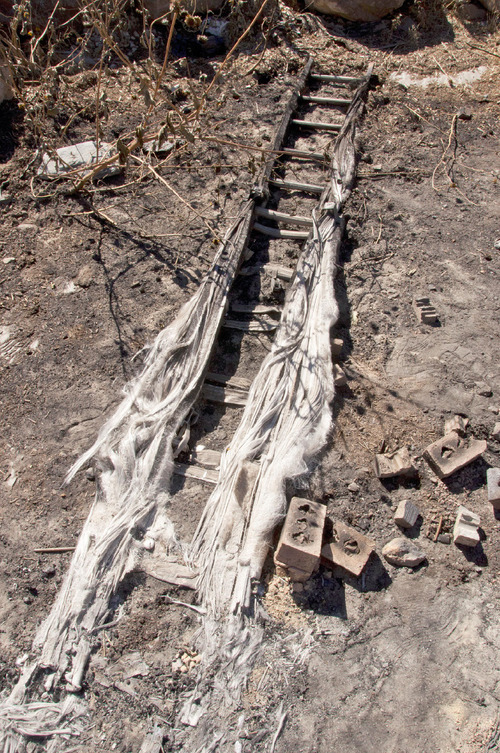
(406, 514)
(493, 479)
(396, 463)
(451, 453)
(425, 311)
(457, 423)
(348, 549)
(299, 547)
(465, 531)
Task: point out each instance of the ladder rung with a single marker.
(239, 383)
(317, 126)
(291, 186)
(257, 324)
(326, 101)
(271, 214)
(217, 394)
(274, 232)
(302, 155)
(196, 472)
(255, 308)
(283, 273)
(335, 79)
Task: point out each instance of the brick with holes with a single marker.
(347, 549)
(299, 547)
(451, 453)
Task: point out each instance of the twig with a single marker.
(170, 188)
(32, 53)
(200, 610)
(233, 48)
(451, 136)
(167, 50)
(476, 47)
(438, 529)
(281, 721)
(55, 550)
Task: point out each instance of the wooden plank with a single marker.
(230, 381)
(334, 101)
(310, 124)
(290, 185)
(335, 79)
(289, 219)
(284, 273)
(196, 472)
(205, 457)
(258, 324)
(218, 394)
(301, 154)
(255, 308)
(274, 232)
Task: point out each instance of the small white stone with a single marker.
(403, 553)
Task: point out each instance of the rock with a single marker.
(496, 431)
(90, 474)
(492, 5)
(81, 155)
(356, 10)
(353, 487)
(444, 538)
(403, 553)
(85, 276)
(49, 571)
(483, 389)
(465, 113)
(471, 12)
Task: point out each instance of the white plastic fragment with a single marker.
(84, 155)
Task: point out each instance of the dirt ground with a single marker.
(399, 660)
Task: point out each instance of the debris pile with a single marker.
(310, 539)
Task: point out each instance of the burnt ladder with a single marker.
(258, 220)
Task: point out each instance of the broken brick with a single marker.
(465, 531)
(451, 453)
(299, 547)
(456, 423)
(348, 549)
(397, 463)
(339, 377)
(493, 479)
(406, 514)
(425, 311)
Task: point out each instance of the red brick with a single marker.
(299, 547)
(451, 453)
(349, 549)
